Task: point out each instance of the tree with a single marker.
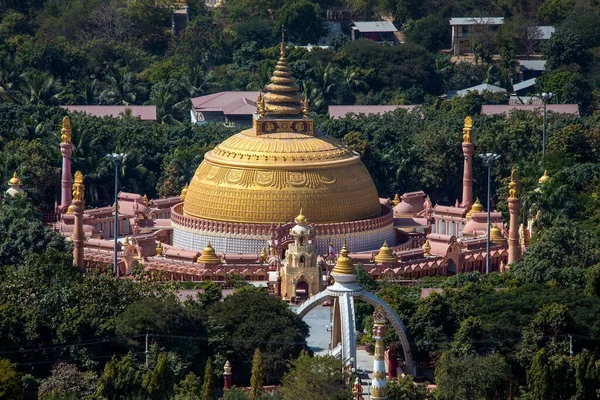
(587, 376)
(564, 48)
(405, 388)
(472, 377)
(121, 379)
(67, 380)
(208, 386)
(258, 376)
(211, 294)
(188, 388)
(40, 88)
(430, 32)
(251, 319)
(11, 386)
(312, 378)
(302, 20)
(549, 378)
(159, 381)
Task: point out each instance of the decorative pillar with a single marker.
(227, 376)
(66, 149)
(467, 147)
(514, 207)
(78, 206)
(379, 381)
(392, 358)
(279, 285)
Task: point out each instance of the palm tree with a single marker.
(163, 97)
(8, 78)
(354, 80)
(313, 95)
(39, 88)
(90, 91)
(123, 88)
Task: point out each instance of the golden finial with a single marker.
(145, 199)
(184, 192)
(14, 180)
(300, 219)
(159, 249)
(305, 108)
(126, 242)
(263, 255)
(65, 132)
(513, 186)
(282, 51)
(260, 106)
(78, 186)
(70, 209)
(477, 207)
(209, 256)
(385, 255)
(427, 248)
(282, 97)
(396, 200)
(467, 130)
(227, 368)
(544, 178)
(344, 264)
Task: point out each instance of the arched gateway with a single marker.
(343, 292)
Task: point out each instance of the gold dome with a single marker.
(544, 178)
(267, 173)
(14, 180)
(300, 219)
(209, 256)
(385, 255)
(496, 235)
(344, 264)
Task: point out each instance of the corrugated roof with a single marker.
(342, 111)
(145, 113)
(375, 26)
(477, 21)
(480, 89)
(496, 109)
(533, 65)
(240, 103)
(524, 85)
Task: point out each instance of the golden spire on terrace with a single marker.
(513, 186)
(282, 97)
(65, 132)
(14, 180)
(344, 264)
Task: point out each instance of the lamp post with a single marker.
(488, 158)
(545, 97)
(117, 159)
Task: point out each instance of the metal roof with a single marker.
(229, 103)
(533, 65)
(545, 32)
(524, 84)
(375, 26)
(477, 21)
(484, 87)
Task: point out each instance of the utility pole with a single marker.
(117, 159)
(147, 352)
(488, 158)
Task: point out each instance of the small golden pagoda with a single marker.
(477, 207)
(427, 249)
(208, 256)
(544, 178)
(344, 264)
(496, 236)
(385, 255)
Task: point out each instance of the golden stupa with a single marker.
(267, 173)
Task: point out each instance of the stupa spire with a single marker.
(282, 97)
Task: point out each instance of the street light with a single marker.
(117, 159)
(488, 158)
(545, 97)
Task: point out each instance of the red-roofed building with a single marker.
(145, 113)
(495, 109)
(341, 111)
(229, 107)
